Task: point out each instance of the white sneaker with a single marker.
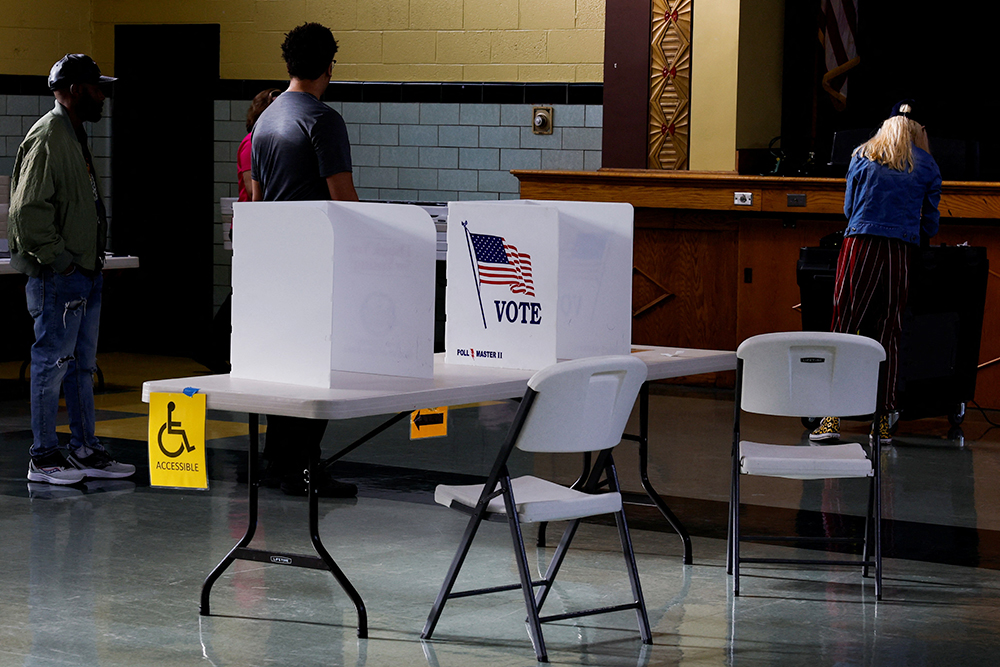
(99, 464)
(53, 468)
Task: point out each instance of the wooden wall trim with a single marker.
(714, 191)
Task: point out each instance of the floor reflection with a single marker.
(110, 572)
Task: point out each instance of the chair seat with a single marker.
(535, 499)
(804, 462)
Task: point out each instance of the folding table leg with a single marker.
(252, 488)
(643, 440)
(240, 551)
(644, 474)
(335, 570)
(344, 451)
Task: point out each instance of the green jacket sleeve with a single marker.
(32, 215)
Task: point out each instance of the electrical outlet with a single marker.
(743, 198)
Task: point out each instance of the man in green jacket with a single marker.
(57, 232)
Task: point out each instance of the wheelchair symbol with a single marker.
(173, 428)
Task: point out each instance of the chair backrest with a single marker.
(581, 405)
(810, 374)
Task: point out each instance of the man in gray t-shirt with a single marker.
(300, 152)
(297, 143)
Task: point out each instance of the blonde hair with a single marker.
(892, 145)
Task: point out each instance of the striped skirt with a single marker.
(869, 297)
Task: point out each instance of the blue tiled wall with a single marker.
(430, 152)
(438, 152)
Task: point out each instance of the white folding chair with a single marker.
(574, 406)
(807, 374)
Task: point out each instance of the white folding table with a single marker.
(364, 395)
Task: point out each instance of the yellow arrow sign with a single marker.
(177, 441)
(429, 423)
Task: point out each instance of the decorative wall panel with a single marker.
(669, 84)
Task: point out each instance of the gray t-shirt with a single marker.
(297, 143)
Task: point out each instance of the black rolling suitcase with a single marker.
(942, 324)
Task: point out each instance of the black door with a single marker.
(162, 180)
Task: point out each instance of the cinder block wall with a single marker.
(428, 152)
(437, 152)
(402, 151)
(381, 40)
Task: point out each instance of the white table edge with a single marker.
(363, 395)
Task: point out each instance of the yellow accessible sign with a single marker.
(177, 441)
(429, 423)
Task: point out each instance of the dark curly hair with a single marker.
(308, 51)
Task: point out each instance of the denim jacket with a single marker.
(53, 219)
(896, 204)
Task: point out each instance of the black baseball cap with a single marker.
(76, 68)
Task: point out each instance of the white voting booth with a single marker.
(332, 286)
(530, 282)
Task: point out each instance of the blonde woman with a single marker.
(893, 190)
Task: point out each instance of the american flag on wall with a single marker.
(838, 25)
(499, 263)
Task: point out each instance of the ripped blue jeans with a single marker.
(67, 313)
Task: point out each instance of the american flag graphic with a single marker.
(500, 263)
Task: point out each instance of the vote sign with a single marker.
(503, 272)
(530, 282)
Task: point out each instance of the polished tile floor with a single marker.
(109, 573)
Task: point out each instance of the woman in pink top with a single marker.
(222, 323)
(257, 106)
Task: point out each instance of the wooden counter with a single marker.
(710, 273)
(715, 191)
